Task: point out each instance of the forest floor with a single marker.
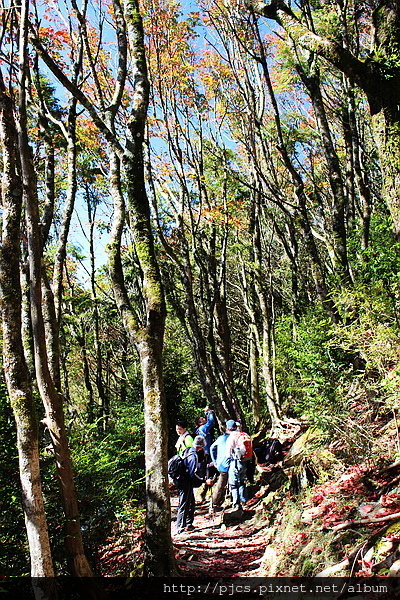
(224, 544)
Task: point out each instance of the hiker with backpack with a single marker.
(204, 427)
(239, 449)
(187, 472)
(269, 452)
(221, 462)
(185, 440)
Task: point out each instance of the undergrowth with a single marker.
(309, 533)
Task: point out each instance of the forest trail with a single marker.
(282, 533)
(228, 543)
(214, 549)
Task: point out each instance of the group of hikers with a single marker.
(199, 462)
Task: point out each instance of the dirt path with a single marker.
(214, 549)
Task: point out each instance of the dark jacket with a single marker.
(197, 464)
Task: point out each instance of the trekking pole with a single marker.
(211, 509)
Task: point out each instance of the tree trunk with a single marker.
(81, 339)
(148, 339)
(15, 369)
(49, 176)
(61, 251)
(187, 312)
(147, 335)
(159, 556)
(52, 400)
(265, 300)
(258, 302)
(101, 389)
(27, 339)
(354, 148)
(312, 83)
(51, 331)
(254, 381)
(386, 130)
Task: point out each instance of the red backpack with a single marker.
(243, 448)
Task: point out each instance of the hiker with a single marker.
(185, 440)
(221, 462)
(239, 449)
(269, 452)
(204, 427)
(209, 471)
(194, 459)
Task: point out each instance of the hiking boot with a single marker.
(179, 533)
(213, 509)
(190, 528)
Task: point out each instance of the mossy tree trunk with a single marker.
(147, 333)
(264, 293)
(147, 336)
(15, 368)
(51, 398)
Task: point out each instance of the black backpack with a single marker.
(177, 470)
(270, 451)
